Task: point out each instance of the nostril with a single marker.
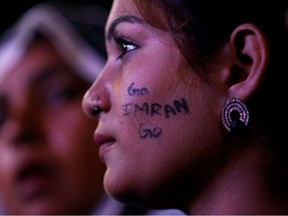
(87, 105)
(96, 101)
(29, 136)
(28, 132)
(96, 110)
(90, 107)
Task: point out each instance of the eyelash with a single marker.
(125, 46)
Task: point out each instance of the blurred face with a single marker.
(48, 160)
(153, 126)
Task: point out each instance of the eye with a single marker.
(3, 111)
(60, 95)
(2, 117)
(125, 46)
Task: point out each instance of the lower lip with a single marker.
(104, 148)
(33, 187)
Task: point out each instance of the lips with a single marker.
(104, 142)
(34, 179)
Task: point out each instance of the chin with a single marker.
(128, 190)
(119, 187)
(42, 210)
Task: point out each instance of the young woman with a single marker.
(47, 154)
(187, 108)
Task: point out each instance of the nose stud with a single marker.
(96, 110)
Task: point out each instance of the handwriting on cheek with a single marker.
(151, 110)
(137, 91)
(156, 109)
(149, 133)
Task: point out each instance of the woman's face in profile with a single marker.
(48, 160)
(153, 124)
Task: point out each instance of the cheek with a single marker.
(166, 118)
(7, 168)
(152, 123)
(71, 132)
(6, 159)
(74, 143)
(149, 105)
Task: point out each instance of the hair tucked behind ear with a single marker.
(202, 27)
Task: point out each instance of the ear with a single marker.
(250, 53)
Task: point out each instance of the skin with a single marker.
(42, 124)
(180, 156)
(127, 153)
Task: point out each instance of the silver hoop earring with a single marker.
(235, 115)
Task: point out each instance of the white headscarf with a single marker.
(48, 21)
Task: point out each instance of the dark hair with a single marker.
(88, 19)
(200, 29)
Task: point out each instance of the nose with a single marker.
(96, 100)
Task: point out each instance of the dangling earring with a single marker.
(235, 115)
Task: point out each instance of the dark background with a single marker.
(11, 10)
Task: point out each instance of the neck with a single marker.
(247, 184)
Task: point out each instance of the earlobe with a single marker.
(250, 53)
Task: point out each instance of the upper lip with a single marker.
(101, 139)
(33, 168)
(30, 165)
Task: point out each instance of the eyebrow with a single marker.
(121, 19)
(46, 74)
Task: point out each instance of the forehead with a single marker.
(121, 8)
(37, 58)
